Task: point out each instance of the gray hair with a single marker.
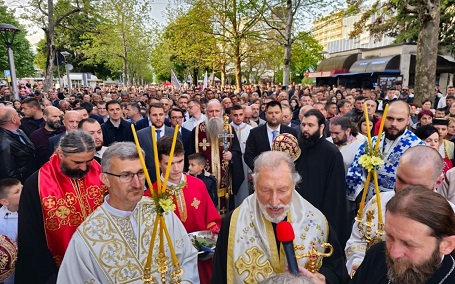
(121, 150)
(287, 278)
(76, 142)
(271, 160)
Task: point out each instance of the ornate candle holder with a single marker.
(313, 255)
(366, 229)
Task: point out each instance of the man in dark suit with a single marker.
(261, 137)
(116, 129)
(157, 117)
(70, 121)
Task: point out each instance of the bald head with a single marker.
(419, 165)
(400, 106)
(71, 120)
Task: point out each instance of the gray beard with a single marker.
(215, 126)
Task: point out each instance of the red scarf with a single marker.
(66, 203)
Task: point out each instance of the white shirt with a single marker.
(270, 134)
(191, 123)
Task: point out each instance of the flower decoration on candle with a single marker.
(371, 161)
(163, 202)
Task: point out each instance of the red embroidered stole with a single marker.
(66, 203)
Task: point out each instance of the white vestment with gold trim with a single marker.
(111, 246)
(252, 250)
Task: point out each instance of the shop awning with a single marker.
(333, 65)
(379, 64)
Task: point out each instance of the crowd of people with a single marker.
(75, 200)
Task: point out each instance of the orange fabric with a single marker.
(66, 203)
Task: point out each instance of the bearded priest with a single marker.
(248, 251)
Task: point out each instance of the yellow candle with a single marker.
(364, 195)
(367, 122)
(381, 127)
(175, 260)
(171, 156)
(162, 226)
(141, 158)
(152, 242)
(157, 163)
(378, 197)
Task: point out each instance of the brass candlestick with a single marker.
(365, 229)
(313, 255)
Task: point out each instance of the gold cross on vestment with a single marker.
(253, 267)
(204, 144)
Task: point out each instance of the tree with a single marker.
(189, 36)
(121, 40)
(23, 55)
(234, 23)
(285, 17)
(306, 53)
(49, 16)
(405, 19)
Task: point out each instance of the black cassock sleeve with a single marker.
(34, 263)
(219, 274)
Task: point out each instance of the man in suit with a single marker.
(116, 129)
(157, 117)
(176, 117)
(261, 137)
(70, 121)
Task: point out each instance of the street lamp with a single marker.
(7, 33)
(67, 68)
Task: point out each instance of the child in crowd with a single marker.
(197, 163)
(10, 193)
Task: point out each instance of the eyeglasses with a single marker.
(128, 177)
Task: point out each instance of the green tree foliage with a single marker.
(23, 55)
(306, 53)
(120, 41)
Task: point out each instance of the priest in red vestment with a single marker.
(54, 201)
(193, 204)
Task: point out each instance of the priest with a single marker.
(248, 251)
(322, 170)
(112, 244)
(54, 202)
(419, 242)
(226, 165)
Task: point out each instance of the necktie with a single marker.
(274, 134)
(158, 134)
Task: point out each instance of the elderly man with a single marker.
(247, 250)
(112, 244)
(17, 157)
(419, 165)
(70, 120)
(54, 202)
(225, 164)
(420, 237)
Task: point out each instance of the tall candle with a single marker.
(157, 163)
(141, 158)
(171, 156)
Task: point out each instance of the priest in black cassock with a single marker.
(323, 177)
(420, 237)
(247, 250)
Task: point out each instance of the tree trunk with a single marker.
(49, 76)
(427, 51)
(288, 44)
(238, 66)
(223, 75)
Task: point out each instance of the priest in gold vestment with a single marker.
(248, 251)
(112, 244)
